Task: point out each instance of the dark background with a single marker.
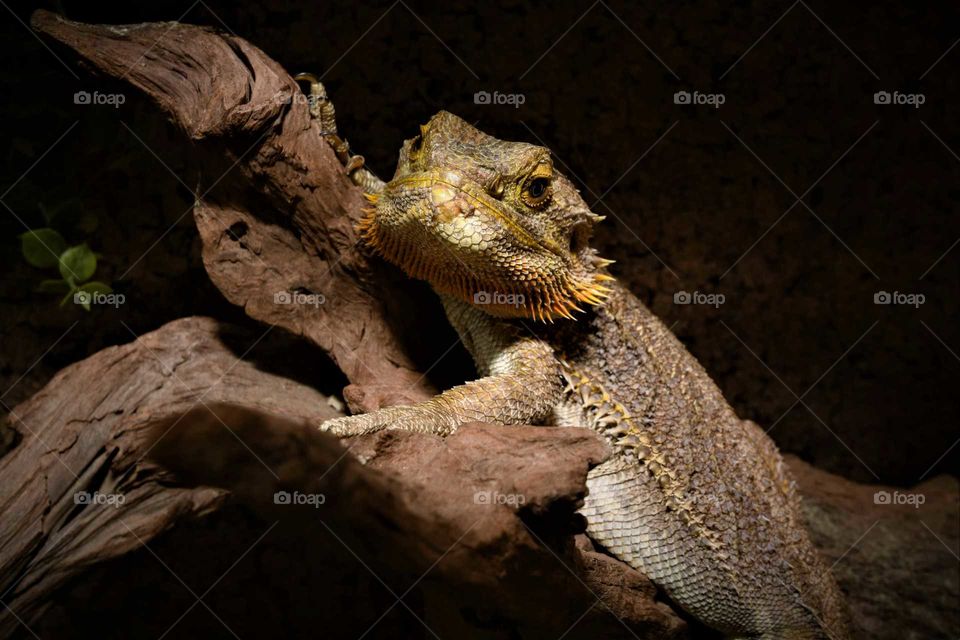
(690, 207)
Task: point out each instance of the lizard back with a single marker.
(695, 498)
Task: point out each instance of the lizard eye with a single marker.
(536, 191)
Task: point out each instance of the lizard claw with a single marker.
(354, 163)
(333, 426)
(306, 77)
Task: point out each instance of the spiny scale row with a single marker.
(613, 421)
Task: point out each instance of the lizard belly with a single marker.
(639, 511)
(627, 515)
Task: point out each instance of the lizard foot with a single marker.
(350, 426)
(403, 418)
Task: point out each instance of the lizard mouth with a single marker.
(442, 227)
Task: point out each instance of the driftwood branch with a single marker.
(84, 488)
(276, 212)
(85, 434)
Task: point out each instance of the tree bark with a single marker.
(131, 442)
(276, 211)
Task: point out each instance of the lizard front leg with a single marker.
(523, 387)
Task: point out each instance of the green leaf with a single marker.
(77, 264)
(95, 287)
(86, 294)
(42, 247)
(53, 286)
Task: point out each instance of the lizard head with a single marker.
(488, 221)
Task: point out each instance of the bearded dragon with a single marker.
(694, 497)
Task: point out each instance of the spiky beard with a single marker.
(539, 296)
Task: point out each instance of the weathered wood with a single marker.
(181, 396)
(276, 211)
(86, 432)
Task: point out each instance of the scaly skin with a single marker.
(697, 499)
